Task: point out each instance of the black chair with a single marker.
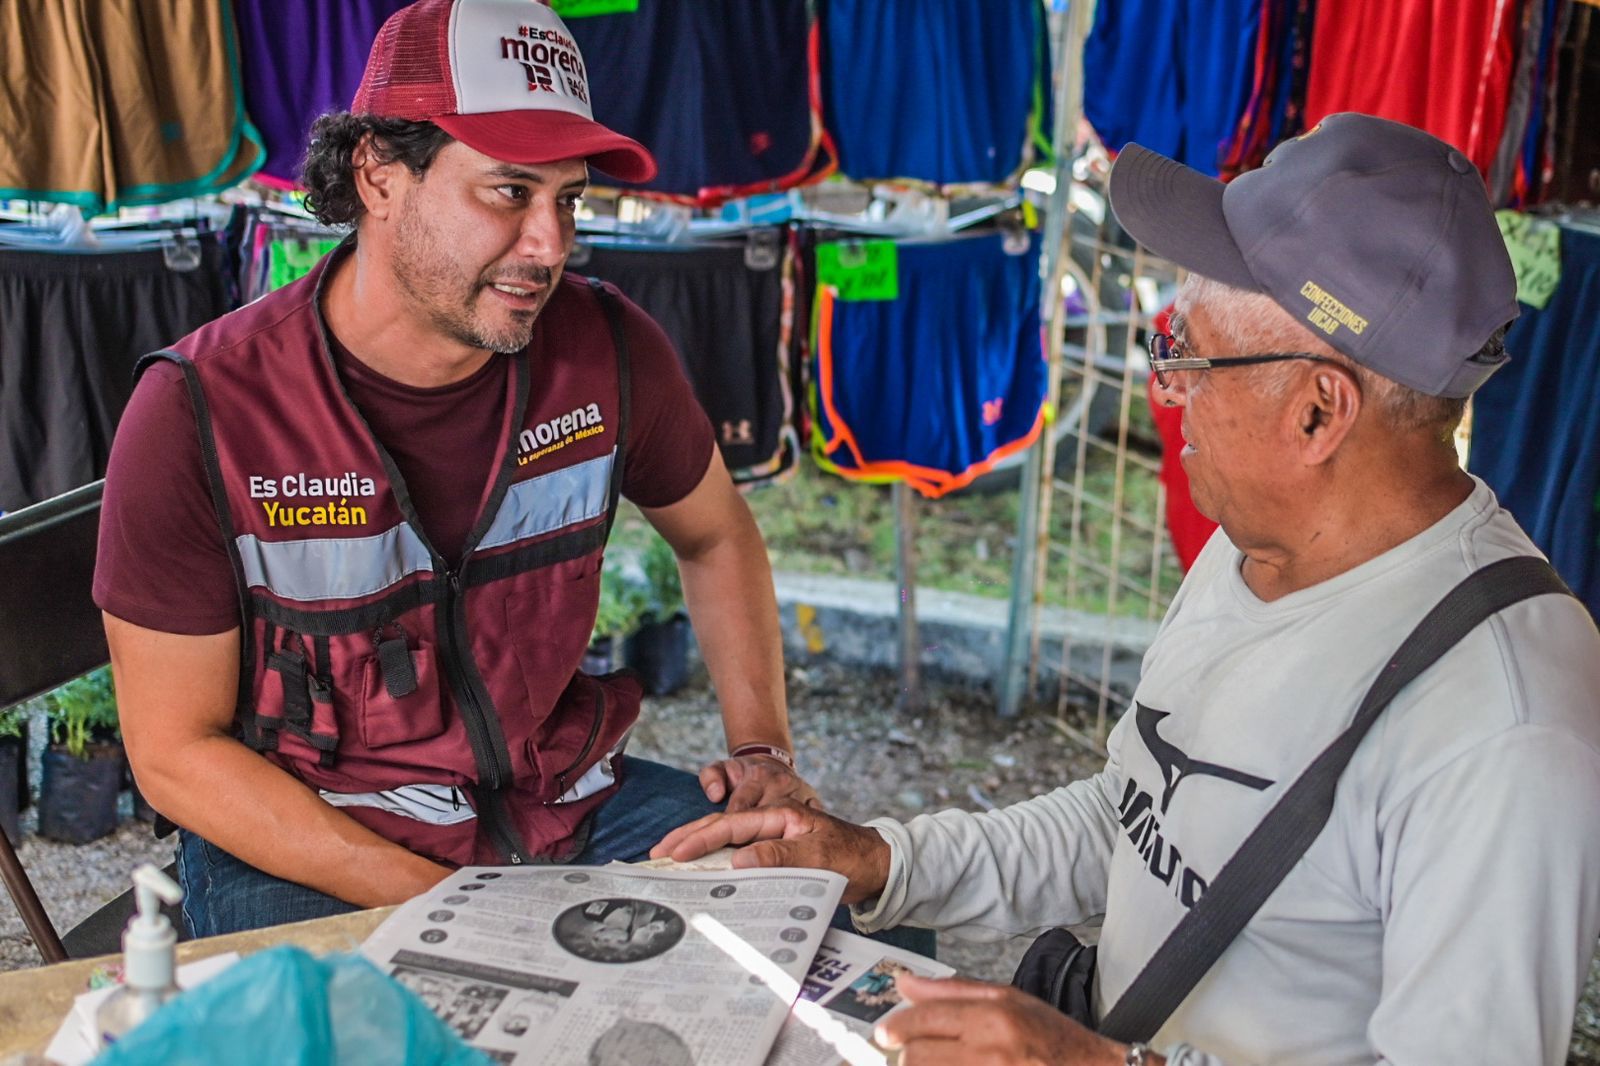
(50, 633)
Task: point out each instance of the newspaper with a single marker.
(853, 978)
(601, 965)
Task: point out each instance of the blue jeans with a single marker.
(223, 894)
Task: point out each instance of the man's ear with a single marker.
(377, 183)
(1326, 408)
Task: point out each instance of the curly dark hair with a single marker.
(327, 172)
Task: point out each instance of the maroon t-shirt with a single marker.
(162, 563)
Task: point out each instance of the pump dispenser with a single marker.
(148, 958)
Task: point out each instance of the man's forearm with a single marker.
(728, 590)
(250, 808)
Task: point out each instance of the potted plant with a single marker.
(659, 647)
(13, 768)
(83, 763)
(622, 602)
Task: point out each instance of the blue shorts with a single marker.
(937, 385)
(1536, 422)
(721, 91)
(943, 91)
(1176, 78)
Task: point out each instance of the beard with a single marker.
(436, 284)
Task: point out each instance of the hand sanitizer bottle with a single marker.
(148, 958)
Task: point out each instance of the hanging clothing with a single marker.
(943, 91)
(722, 92)
(71, 328)
(1174, 77)
(1444, 66)
(300, 58)
(722, 308)
(936, 384)
(121, 102)
(1575, 167)
(1276, 104)
(1536, 423)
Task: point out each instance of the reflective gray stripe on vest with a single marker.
(434, 804)
(332, 568)
(552, 501)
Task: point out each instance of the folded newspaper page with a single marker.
(853, 978)
(601, 965)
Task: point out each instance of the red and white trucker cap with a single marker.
(504, 77)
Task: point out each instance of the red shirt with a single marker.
(162, 563)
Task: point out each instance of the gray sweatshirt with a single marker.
(1446, 914)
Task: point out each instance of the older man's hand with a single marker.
(789, 834)
(747, 781)
(955, 1022)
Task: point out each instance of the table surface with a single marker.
(33, 1002)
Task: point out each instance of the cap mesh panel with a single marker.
(408, 72)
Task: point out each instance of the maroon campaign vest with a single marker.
(441, 707)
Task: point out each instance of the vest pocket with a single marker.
(294, 705)
(400, 714)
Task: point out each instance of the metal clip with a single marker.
(1014, 237)
(761, 247)
(180, 250)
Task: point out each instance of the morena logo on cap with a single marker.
(510, 57)
(549, 59)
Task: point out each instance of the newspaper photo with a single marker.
(853, 978)
(603, 965)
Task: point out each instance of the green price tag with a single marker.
(865, 270)
(293, 258)
(577, 9)
(1535, 247)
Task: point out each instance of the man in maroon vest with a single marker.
(350, 550)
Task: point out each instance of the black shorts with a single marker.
(72, 326)
(725, 319)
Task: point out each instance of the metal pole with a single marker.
(905, 566)
(1026, 592)
(34, 918)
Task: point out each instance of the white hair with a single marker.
(1250, 323)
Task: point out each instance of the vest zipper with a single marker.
(491, 811)
(588, 745)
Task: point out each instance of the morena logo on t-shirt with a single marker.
(552, 435)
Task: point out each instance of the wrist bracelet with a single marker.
(1136, 1054)
(763, 749)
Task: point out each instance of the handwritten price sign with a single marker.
(1535, 247)
(860, 270)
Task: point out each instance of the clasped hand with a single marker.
(750, 781)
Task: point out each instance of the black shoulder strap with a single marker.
(1284, 835)
(619, 340)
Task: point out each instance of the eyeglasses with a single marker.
(1166, 358)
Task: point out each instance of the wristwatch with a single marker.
(770, 751)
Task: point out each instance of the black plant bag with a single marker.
(1059, 969)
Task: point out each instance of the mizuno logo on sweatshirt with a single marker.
(1141, 819)
(1175, 765)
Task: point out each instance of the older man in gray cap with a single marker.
(1345, 301)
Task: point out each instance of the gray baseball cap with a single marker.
(1378, 236)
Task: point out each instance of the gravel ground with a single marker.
(864, 755)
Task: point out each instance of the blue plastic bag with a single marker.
(285, 1007)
